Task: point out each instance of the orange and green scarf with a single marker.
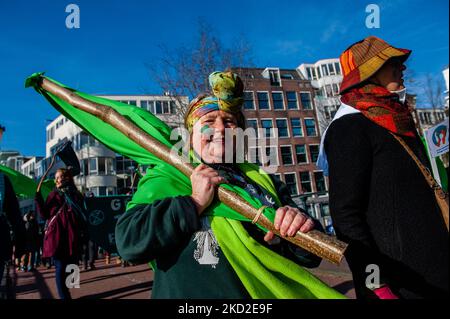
(381, 107)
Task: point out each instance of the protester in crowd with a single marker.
(28, 261)
(10, 222)
(89, 254)
(197, 255)
(46, 261)
(66, 227)
(380, 202)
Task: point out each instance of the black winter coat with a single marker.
(381, 204)
(10, 221)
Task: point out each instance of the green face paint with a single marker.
(204, 129)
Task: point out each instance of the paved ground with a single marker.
(106, 282)
(338, 277)
(133, 282)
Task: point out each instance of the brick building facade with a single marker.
(283, 99)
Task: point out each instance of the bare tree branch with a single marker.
(433, 92)
(184, 71)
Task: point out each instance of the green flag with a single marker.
(104, 132)
(25, 187)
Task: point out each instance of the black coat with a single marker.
(381, 204)
(10, 220)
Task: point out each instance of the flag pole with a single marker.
(313, 241)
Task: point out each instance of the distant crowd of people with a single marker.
(31, 257)
(60, 239)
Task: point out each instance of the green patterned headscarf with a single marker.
(228, 90)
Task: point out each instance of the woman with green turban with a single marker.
(197, 245)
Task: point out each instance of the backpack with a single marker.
(52, 234)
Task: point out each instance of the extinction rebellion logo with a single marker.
(439, 135)
(96, 217)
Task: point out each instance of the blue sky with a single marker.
(106, 55)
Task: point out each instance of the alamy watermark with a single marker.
(373, 278)
(73, 279)
(258, 146)
(373, 19)
(73, 19)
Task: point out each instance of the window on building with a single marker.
(93, 166)
(421, 119)
(158, 107)
(267, 125)
(324, 70)
(326, 112)
(319, 73)
(320, 181)
(319, 92)
(270, 156)
(291, 183)
(328, 90)
(263, 101)
(166, 107)
(253, 124)
(110, 165)
(133, 102)
(92, 141)
(249, 103)
(313, 71)
(309, 73)
(84, 165)
(334, 110)
(331, 69)
(338, 68)
(296, 126)
(151, 106)
(305, 181)
(335, 89)
(314, 151)
(277, 98)
(274, 78)
(292, 100)
(144, 105)
(286, 155)
(101, 166)
(84, 139)
(102, 191)
(52, 133)
(305, 97)
(300, 153)
(310, 125)
(173, 107)
(282, 128)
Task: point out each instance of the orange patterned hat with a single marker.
(364, 58)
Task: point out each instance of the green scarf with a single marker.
(263, 273)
